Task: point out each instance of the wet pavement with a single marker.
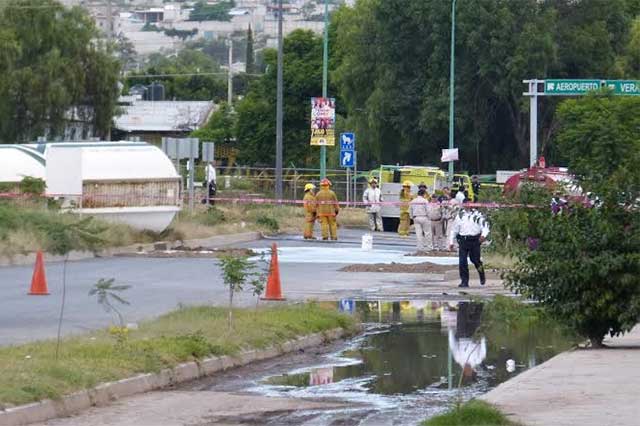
(415, 359)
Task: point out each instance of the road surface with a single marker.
(160, 285)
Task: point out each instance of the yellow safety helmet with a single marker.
(309, 187)
(407, 183)
(373, 180)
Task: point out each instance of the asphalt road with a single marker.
(160, 285)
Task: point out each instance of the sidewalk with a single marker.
(581, 387)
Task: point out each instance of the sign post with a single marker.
(348, 158)
(566, 87)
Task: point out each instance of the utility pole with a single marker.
(325, 78)
(452, 82)
(279, 106)
(109, 21)
(230, 74)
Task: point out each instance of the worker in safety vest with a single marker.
(405, 199)
(328, 209)
(310, 210)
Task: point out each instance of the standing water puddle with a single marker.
(415, 359)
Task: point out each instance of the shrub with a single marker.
(268, 222)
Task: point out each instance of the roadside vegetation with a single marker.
(30, 372)
(31, 226)
(473, 413)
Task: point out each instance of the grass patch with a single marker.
(29, 373)
(473, 413)
(500, 261)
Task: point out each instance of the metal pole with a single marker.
(191, 174)
(449, 365)
(109, 21)
(451, 82)
(355, 177)
(325, 78)
(230, 74)
(279, 106)
(348, 185)
(533, 123)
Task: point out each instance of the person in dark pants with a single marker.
(470, 229)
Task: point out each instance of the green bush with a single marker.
(268, 222)
(32, 186)
(473, 413)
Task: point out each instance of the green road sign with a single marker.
(570, 87)
(624, 87)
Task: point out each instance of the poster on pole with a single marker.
(323, 119)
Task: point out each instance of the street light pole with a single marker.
(451, 82)
(279, 106)
(325, 71)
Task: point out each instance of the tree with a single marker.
(586, 270)
(203, 11)
(220, 128)
(250, 58)
(81, 234)
(187, 87)
(52, 71)
(391, 65)
(257, 113)
(238, 271)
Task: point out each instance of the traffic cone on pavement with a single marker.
(39, 280)
(274, 292)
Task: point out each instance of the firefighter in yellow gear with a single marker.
(327, 209)
(310, 210)
(405, 199)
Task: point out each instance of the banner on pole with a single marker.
(449, 155)
(323, 118)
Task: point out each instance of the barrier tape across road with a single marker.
(266, 201)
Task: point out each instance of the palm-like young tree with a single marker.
(108, 297)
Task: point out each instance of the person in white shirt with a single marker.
(460, 197)
(419, 212)
(470, 229)
(210, 179)
(372, 198)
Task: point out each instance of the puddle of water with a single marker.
(413, 361)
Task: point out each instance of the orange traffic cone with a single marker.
(39, 280)
(274, 292)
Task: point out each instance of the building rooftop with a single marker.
(164, 116)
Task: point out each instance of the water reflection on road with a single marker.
(413, 361)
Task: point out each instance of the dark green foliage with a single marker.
(391, 64)
(220, 128)
(586, 270)
(257, 112)
(202, 11)
(32, 186)
(50, 62)
(187, 87)
(250, 57)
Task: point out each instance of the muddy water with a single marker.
(414, 360)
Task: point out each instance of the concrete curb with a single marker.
(108, 392)
(213, 242)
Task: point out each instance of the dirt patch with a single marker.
(419, 268)
(192, 252)
(433, 254)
